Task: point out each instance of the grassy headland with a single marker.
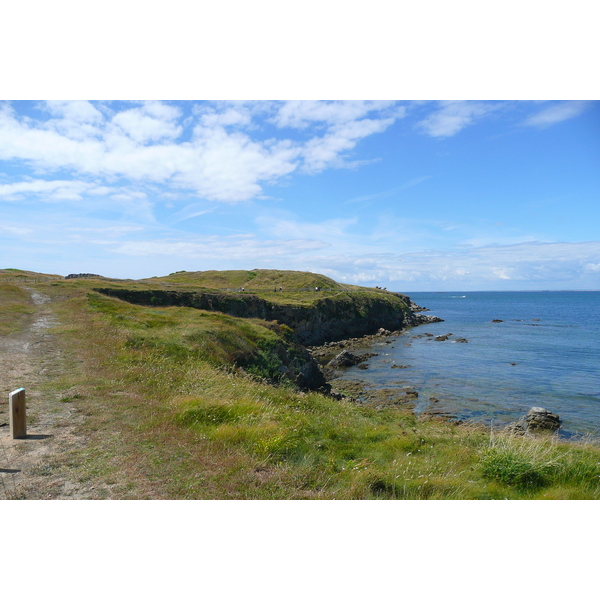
(182, 402)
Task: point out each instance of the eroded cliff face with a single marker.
(333, 319)
(350, 314)
(329, 319)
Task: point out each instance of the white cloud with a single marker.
(153, 121)
(500, 273)
(322, 152)
(531, 265)
(303, 113)
(49, 190)
(142, 143)
(237, 116)
(526, 263)
(453, 116)
(230, 166)
(345, 122)
(556, 113)
(80, 111)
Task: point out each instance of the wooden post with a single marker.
(16, 409)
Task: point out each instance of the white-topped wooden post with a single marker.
(16, 409)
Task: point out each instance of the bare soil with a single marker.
(30, 467)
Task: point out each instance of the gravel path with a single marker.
(30, 467)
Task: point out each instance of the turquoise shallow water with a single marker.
(552, 337)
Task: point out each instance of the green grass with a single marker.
(259, 279)
(218, 339)
(327, 449)
(15, 308)
(534, 465)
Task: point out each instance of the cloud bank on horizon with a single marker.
(409, 195)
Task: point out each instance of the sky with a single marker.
(408, 195)
(271, 155)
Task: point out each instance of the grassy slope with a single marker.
(15, 306)
(166, 418)
(259, 279)
(298, 287)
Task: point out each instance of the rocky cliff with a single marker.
(348, 314)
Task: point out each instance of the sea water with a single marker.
(545, 352)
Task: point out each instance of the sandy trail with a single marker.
(30, 467)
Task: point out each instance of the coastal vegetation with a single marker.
(181, 402)
(14, 308)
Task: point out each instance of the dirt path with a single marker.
(30, 467)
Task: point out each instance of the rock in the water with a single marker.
(537, 420)
(540, 418)
(442, 338)
(418, 319)
(497, 321)
(461, 341)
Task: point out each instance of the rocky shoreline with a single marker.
(336, 357)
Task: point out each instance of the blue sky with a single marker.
(410, 195)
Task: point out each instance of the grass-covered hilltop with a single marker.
(200, 385)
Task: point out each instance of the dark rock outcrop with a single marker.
(542, 419)
(537, 420)
(301, 368)
(418, 319)
(345, 359)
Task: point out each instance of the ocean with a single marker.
(544, 352)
